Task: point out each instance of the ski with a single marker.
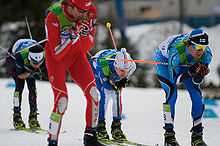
(34, 130)
(31, 130)
(121, 143)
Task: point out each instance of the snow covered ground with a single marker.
(142, 117)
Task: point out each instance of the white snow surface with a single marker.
(142, 109)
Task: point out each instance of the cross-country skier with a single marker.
(70, 27)
(189, 49)
(25, 64)
(111, 76)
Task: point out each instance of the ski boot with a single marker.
(32, 121)
(117, 133)
(196, 137)
(170, 139)
(52, 142)
(90, 138)
(17, 121)
(101, 131)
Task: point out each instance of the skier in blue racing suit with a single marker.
(188, 57)
(111, 74)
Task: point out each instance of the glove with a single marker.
(195, 79)
(119, 84)
(198, 69)
(84, 28)
(69, 33)
(122, 83)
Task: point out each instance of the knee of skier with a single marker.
(92, 93)
(62, 104)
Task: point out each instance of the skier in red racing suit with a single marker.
(70, 30)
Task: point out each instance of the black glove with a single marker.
(198, 69)
(122, 83)
(119, 84)
(197, 79)
(84, 29)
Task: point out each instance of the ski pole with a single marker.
(108, 25)
(146, 62)
(12, 54)
(28, 27)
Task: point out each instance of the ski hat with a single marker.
(36, 54)
(21, 44)
(81, 4)
(120, 56)
(119, 63)
(198, 37)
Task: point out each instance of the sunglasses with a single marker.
(198, 47)
(78, 9)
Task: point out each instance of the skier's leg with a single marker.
(104, 98)
(81, 73)
(33, 122)
(170, 88)
(117, 105)
(197, 112)
(196, 97)
(116, 130)
(57, 77)
(102, 133)
(17, 99)
(32, 94)
(103, 103)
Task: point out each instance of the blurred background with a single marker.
(138, 25)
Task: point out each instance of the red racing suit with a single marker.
(65, 51)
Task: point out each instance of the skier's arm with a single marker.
(173, 62)
(87, 42)
(58, 48)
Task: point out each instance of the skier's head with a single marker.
(36, 56)
(198, 41)
(122, 67)
(76, 9)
